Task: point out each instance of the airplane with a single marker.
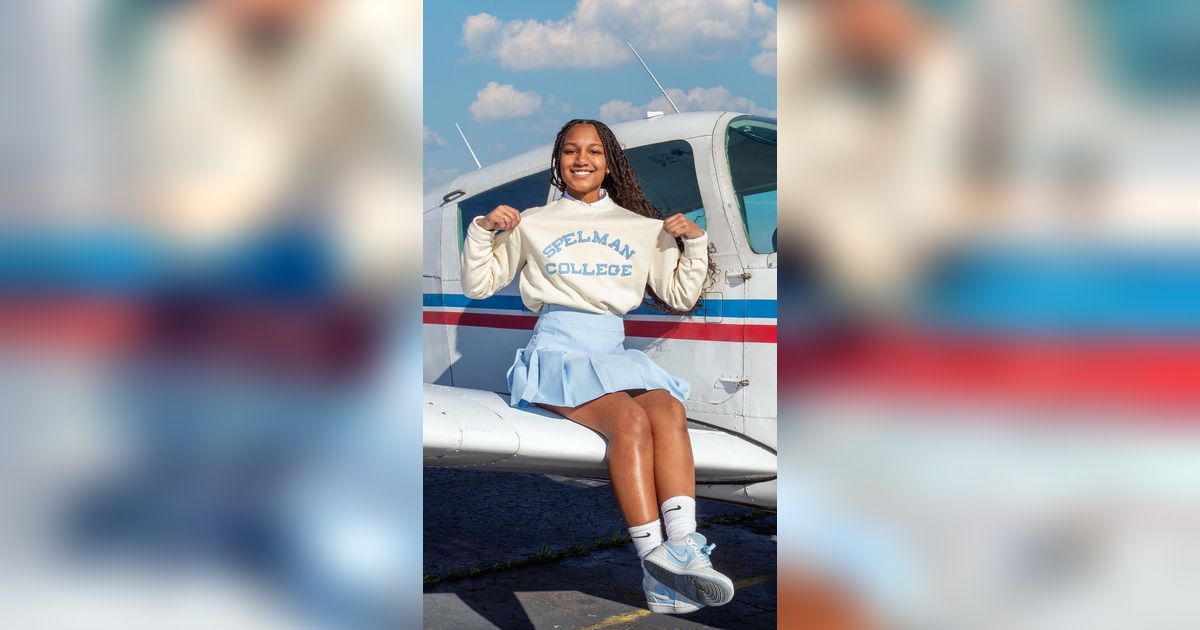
(718, 169)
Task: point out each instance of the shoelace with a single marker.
(706, 550)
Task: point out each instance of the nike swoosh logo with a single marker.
(683, 558)
(677, 507)
(646, 536)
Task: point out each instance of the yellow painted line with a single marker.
(617, 620)
(628, 617)
(748, 582)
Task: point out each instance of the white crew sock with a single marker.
(646, 537)
(680, 515)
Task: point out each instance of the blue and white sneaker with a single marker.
(684, 566)
(663, 599)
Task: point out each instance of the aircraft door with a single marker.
(746, 160)
(705, 348)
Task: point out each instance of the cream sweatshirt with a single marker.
(595, 257)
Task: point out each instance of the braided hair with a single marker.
(622, 185)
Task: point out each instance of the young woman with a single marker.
(586, 260)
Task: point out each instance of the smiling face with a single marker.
(582, 162)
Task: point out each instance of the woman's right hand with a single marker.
(502, 218)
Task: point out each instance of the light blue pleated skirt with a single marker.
(574, 357)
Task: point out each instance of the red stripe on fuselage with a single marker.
(481, 320)
(752, 333)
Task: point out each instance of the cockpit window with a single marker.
(750, 145)
(667, 173)
(528, 192)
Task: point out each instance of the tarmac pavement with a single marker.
(518, 551)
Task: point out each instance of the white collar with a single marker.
(603, 200)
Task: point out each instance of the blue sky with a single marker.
(511, 73)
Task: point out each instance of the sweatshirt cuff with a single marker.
(478, 233)
(696, 247)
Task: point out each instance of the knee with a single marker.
(631, 425)
(669, 415)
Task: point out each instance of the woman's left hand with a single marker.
(679, 225)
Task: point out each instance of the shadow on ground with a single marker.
(481, 521)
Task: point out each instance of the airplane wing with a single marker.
(476, 428)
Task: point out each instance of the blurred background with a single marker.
(209, 353)
(208, 315)
(992, 330)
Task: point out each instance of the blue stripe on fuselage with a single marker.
(714, 308)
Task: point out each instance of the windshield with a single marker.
(750, 148)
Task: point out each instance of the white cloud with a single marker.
(594, 34)
(534, 45)
(696, 99)
(496, 102)
(765, 62)
(616, 111)
(430, 138)
(480, 27)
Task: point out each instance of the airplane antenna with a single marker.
(660, 87)
(468, 143)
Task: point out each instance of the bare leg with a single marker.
(674, 469)
(626, 428)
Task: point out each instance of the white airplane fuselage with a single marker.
(726, 351)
